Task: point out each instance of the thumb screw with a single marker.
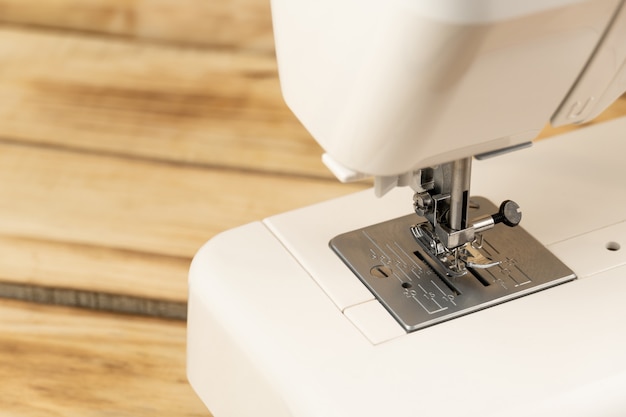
(509, 214)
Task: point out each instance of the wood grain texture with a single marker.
(231, 24)
(55, 362)
(92, 267)
(126, 226)
(120, 159)
(137, 205)
(213, 108)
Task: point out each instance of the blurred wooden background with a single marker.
(131, 131)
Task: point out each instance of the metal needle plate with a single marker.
(389, 261)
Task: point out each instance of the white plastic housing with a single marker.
(389, 86)
(603, 80)
(279, 326)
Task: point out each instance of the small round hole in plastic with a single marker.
(613, 246)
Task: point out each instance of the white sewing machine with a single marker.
(418, 303)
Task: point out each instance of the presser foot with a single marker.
(395, 261)
(451, 262)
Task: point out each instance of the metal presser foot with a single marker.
(420, 282)
(454, 262)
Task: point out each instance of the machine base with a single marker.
(290, 331)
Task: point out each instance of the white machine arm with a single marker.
(391, 86)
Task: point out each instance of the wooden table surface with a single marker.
(131, 131)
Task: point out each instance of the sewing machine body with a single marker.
(279, 326)
(408, 91)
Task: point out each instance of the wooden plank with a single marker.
(67, 362)
(112, 225)
(59, 264)
(240, 24)
(138, 205)
(94, 277)
(213, 108)
(100, 269)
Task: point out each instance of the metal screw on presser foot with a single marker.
(422, 203)
(509, 214)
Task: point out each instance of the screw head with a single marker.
(509, 213)
(422, 203)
